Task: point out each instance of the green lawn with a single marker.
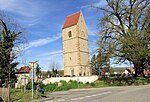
(17, 95)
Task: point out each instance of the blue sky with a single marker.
(43, 21)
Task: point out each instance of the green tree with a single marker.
(100, 61)
(7, 54)
(8, 40)
(38, 70)
(93, 65)
(125, 32)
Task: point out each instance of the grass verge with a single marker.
(17, 95)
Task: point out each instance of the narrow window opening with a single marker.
(69, 34)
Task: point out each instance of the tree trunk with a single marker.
(138, 69)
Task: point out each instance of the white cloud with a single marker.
(22, 7)
(101, 3)
(53, 53)
(33, 22)
(92, 32)
(84, 6)
(27, 12)
(41, 42)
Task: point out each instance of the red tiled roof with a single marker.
(24, 69)
(71, 20)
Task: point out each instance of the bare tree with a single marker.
(54, 66)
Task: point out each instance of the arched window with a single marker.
(69, 34)
(83, 34)
(70, 58)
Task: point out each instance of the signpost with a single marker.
(33, 65)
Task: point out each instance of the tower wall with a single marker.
(75, 49)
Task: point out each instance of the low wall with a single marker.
(84, 79)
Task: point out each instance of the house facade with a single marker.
(23, 76)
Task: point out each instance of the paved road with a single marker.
(114, 94)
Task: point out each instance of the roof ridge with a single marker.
(73, 14)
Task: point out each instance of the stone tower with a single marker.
(75, 46)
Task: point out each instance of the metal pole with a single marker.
(32, 65)
(32, 79)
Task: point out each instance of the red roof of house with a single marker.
(24, 69)
(71, 20)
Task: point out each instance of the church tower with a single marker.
(75, 46)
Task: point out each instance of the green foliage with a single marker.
(8, 40)
(61, 72)
(64, 86)
(72, 84)
(92, 84)
(29, 85)
(50, 87)
(101, 60)
(124, 32)
(38, 70)
(105, 82)
(126, 81)
(41, 85)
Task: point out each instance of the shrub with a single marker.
(41, 85)
(87, 83)
(29, 85)
(50, 87)
(92, 84)
(111, 81)
(73, 84)
(124, 81)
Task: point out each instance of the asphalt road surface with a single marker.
(113, 94)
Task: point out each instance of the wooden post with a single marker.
(24, 85)
(21, 84)
(8, 92)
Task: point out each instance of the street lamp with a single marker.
(33, 65)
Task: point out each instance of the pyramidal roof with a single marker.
(71, 20)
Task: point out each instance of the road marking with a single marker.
(88, 96)
(94, 95)
(80, 98)
(105, 93)
(61, 100)
(100, 94)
